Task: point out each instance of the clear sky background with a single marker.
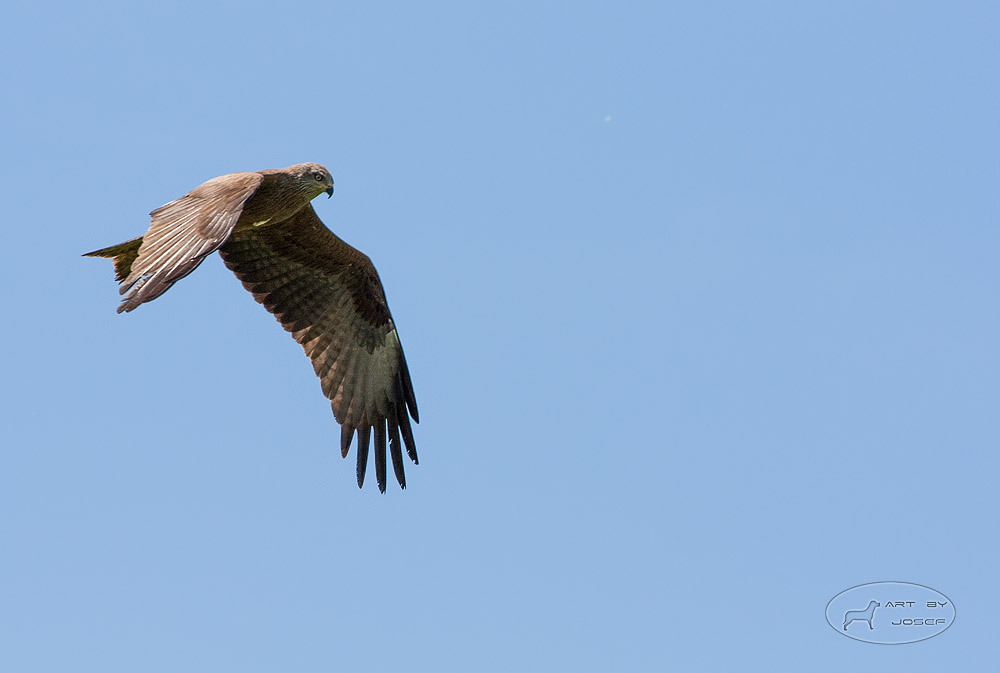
(699, 301)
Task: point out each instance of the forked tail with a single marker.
(124, 255)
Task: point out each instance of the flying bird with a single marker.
(324, 292)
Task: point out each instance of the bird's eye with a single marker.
(318, 177)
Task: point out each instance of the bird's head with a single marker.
(314, 179)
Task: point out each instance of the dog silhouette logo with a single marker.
(894, 612)
(861, 615)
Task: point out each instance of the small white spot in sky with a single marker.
(608, 118)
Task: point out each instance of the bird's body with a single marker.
(323, 291)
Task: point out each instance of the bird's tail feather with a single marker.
(124, 255)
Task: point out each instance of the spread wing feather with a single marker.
(329, 297)
(182, 233)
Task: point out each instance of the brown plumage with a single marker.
(324, 292)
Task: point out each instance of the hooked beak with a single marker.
(329, 192)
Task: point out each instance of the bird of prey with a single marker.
(324, 292)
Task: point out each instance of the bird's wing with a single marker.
(329, 296)
(183, 233)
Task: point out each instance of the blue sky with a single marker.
(699, 301)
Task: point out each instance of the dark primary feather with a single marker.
(323, 291)
(329, 296)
